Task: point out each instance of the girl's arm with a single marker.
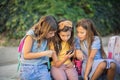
(27, 50)
(90, 62)
(79, 55)
(58, 63)
(96, 45)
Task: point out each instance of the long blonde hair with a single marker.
(89, 26)
(44, 25)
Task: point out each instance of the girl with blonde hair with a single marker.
(35, 55)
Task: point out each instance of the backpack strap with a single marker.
(19, 63)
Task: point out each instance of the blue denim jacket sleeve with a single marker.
(96, 43)
(77, 43)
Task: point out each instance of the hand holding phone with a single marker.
(70, 51)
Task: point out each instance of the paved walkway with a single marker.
(8, 61)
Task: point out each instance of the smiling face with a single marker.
(81, 33)
(65, 36)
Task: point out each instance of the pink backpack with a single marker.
(20, 47)
(78, 66)
(114, 50)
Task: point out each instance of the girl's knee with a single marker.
(112, 65)
(103, 65)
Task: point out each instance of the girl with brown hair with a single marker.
(62, 68)
(89, 48)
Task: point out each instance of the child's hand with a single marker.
(49, 53)
(85, 78)
(69, 55)
(79, 55)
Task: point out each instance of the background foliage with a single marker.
(17, 16)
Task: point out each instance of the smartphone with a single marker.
(70, 51)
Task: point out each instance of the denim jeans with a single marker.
(34, 72)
